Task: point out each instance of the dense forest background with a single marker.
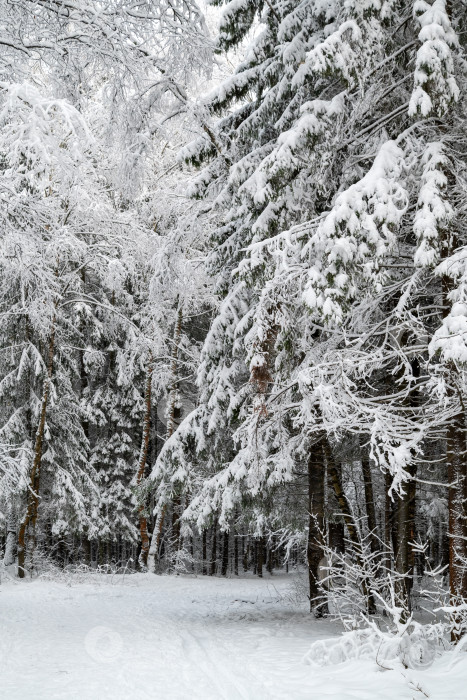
(233, 293)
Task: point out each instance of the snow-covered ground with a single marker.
(169, 638)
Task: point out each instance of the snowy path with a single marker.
(174, 638)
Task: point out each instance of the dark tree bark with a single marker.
(246, 554)
(10, 544)
(344, 505)
(387, 520)
(143, 524)
(205, 552)
(28, 525)
(316, 524)
(171, 424)
(260, 556)
(369, 501)
(213, 567)
(456, 451)
(337, 536)
(406, 508)
(176, 524)
(225, 553)
(269, 560)
(87, 551)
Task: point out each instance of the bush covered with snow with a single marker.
(416, 647)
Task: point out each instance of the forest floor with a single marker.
(152, 637)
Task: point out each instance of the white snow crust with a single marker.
(178, 637)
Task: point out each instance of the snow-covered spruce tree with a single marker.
(334, 133)
(59, 225)
(120, 67)
(262, 102)
(113, 426)
(124, 68)
(365, 269)
(264, 184)
(179, 298)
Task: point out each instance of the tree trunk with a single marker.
(28, 525)
(213, 566)
(456, 450)
(205, 553)
(246, 554)
(143, 524)
(369, 501)
(260, 557)
(225, 553)
(269, 558)
(176, 524)
(10, 545)
(346, 511)
(87, 551)
(404, 556)
(171, 423)
(402, 551)
(84, 381)
(316, 524)
(387, 521)
(337, 536)
(235, 535)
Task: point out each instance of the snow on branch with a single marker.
(435, 86)
(434, 212)
(337, 53)
(357, 236)
(35, 129)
